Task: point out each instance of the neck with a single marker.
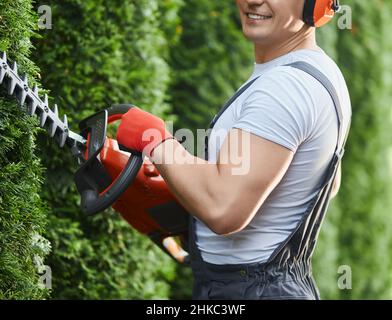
(304, 39)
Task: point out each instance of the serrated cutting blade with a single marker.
(49, 119)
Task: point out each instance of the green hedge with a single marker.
(22, 212)
(357, 232)
(99, 53)
(365, 236)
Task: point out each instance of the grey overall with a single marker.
(288, 272)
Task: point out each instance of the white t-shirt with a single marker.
(291, 108)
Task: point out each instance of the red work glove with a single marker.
(141, 131)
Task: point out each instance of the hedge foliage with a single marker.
(22, 212)
(365, 233)
(357, 231)
(99, 53)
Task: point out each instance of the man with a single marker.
(253, 233)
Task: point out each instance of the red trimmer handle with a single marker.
(98, 191)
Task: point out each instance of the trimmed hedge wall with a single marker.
(99, 53)
(357, 232)
(22, 212)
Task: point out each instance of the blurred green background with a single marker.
(180, 60)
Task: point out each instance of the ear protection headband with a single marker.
(319, 12)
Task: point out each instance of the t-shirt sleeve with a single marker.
(277, 109)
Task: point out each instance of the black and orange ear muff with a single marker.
(319, 12)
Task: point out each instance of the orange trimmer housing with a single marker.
(148, 205)
(112, 175)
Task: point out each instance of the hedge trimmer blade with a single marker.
(48, 118)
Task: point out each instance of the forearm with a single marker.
(197, 184)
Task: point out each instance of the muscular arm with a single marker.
(225, 195)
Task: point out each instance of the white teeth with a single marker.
(257, 17)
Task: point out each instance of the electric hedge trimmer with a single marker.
(108, 175)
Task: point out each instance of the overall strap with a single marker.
(323, 79)
(315, 73)
(299, 246)
(301, 242)
(223, 109)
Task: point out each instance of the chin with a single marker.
(256, 36)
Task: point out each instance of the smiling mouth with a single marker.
(253, 16)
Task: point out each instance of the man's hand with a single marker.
(141, 131)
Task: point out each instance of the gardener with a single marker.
(253, 231)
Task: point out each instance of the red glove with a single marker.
(141, 131)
